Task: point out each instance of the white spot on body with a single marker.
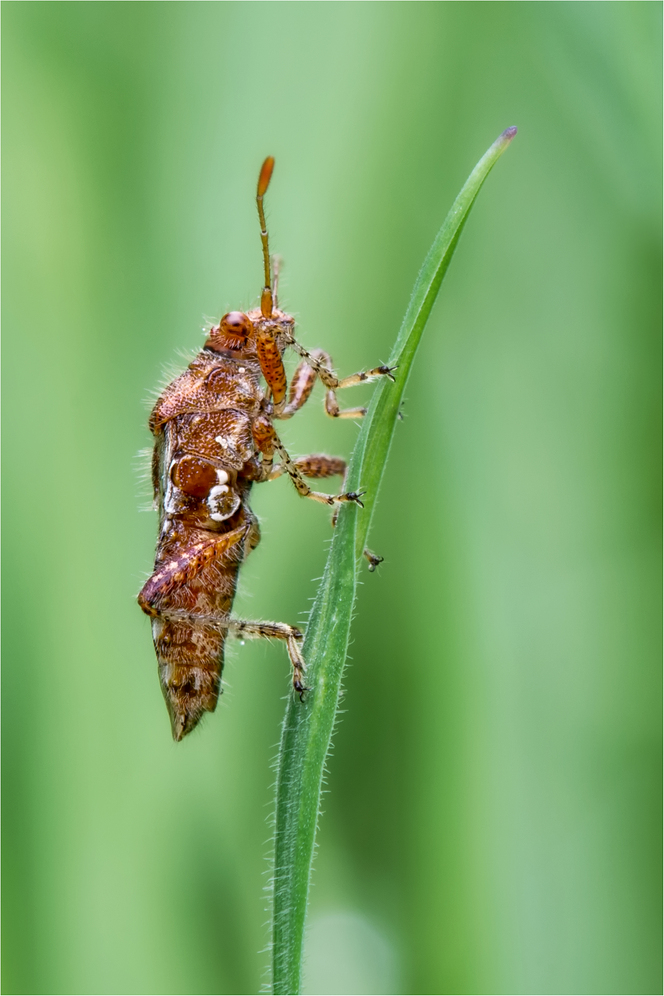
(222, 477)
(214, 498)
(218, 489)
(240, 370)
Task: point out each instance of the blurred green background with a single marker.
(492, 822)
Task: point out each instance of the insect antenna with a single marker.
(276, 266)
(263, 183)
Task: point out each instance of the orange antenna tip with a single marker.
(265, 176)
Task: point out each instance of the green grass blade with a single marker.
(308, 726)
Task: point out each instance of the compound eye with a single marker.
(232, 332)
(236, 324)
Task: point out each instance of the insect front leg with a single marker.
(272, 365)
(321, 363)
(301, 387)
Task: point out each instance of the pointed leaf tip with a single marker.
(509, 133)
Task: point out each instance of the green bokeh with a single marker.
(492, 822)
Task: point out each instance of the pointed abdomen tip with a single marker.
(509, 133)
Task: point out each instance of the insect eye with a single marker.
(236, 323)
(232, 332)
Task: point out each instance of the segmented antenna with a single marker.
(263, 183)
(276, 266)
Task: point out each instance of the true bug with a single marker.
(214, 438)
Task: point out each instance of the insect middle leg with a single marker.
(268, 443)
(318, 465)
(315, 465)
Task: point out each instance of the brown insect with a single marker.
(214, 438)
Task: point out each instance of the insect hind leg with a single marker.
(279, 631)
(246, 629)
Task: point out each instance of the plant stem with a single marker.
(308, 725)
